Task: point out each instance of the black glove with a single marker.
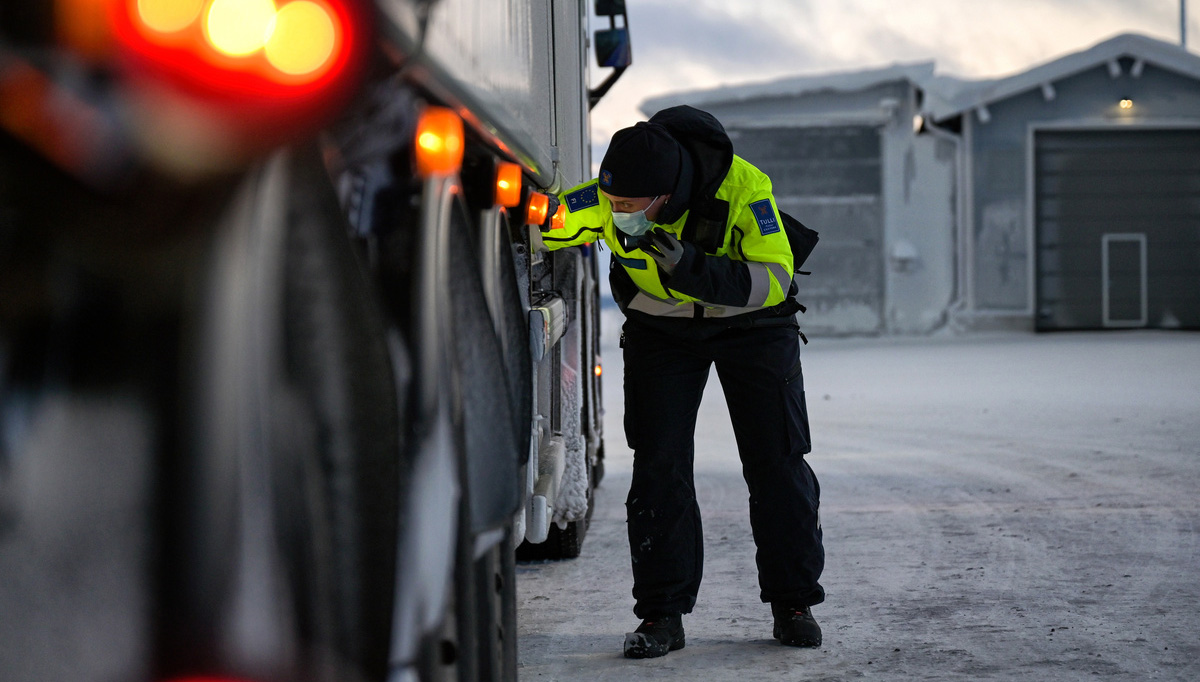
(663, 247)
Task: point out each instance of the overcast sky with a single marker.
(694, 44)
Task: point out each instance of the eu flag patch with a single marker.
(583, 198)
(764, 213)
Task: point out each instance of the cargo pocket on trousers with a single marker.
(797, 410)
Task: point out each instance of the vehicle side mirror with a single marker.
(610, 8)
(612, 46)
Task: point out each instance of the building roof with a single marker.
(947, 98)
(793, 86)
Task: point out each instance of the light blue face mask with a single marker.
(634, 224)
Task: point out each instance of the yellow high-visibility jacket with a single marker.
(751, 269)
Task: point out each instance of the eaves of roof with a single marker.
(794, 86)
(942, 102)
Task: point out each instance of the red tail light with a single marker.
(234, 76)
(241, 47)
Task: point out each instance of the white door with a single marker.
(1123, 276)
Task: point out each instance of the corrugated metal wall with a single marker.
(1117, 216)
(830, 179)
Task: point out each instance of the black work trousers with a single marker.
(760, 373)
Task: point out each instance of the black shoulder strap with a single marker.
(706, 224)
(801, 238)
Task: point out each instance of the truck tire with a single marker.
(282, 497)
(337, 357)
(491, 384)
(478, 637)
(496, 609)
(566, 543)
(481, 642)
(562, 543)
(487, 395)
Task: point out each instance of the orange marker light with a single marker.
(535, 212)
(440, 141)
(560, 218)
(599, 370)
(508, 184)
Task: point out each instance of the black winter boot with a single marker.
(655, 637)
(795, 626)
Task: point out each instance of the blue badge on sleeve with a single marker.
(764, 213)
(583, 198)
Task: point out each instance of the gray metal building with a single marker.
(1063, 197)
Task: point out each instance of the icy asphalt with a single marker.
(995, 507)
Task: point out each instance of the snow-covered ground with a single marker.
(995, 508)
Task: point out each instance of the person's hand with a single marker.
(663, 247)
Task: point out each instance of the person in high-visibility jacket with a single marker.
(702, 270)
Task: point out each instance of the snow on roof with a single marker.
(943, 103)
(793, 86)
(947, 96)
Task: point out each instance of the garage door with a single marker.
(829, 178)
(1118, 229)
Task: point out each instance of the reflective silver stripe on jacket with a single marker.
(760, 291)
(727, 311)
(649, 305)
(671, 307)
(760, 281)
